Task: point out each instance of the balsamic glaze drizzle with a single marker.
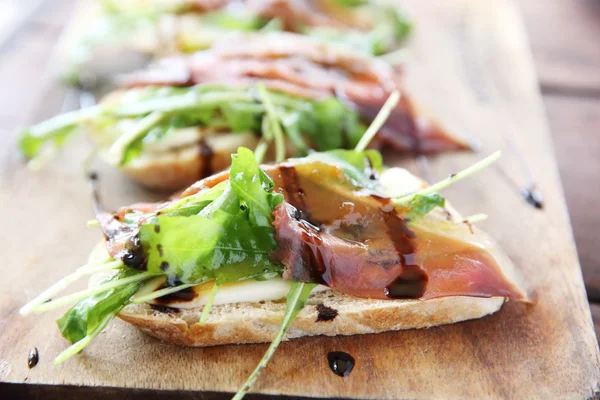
(325, 313)
(93, 179)
(341, 363)
(529, 193)
(187, 294)
(206, 158)
(34, 357)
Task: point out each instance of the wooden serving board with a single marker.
(471, 66)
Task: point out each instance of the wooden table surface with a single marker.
(564, 38)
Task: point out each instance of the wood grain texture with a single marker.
(575, 126)
(479, 78)
(564, 39)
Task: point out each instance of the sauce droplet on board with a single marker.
(533, 197)
(187, 294)
(34, 357)
(341, 363)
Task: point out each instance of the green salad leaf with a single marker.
(392, 27)
(229, 239)
(90, 314)
(420, 205)
(357, 165)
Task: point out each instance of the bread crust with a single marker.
(258, 322)
(180, 168)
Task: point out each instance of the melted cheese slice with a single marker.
(248, 291)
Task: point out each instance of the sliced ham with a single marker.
(304, 67)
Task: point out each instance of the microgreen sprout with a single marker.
(379, 120)
(208, 304)
(450, 180)
(63, 301)
(119, 148)
(61, 285)
(274, 124)
(296, 300)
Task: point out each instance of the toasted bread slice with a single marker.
(343, 315)
(170, 169)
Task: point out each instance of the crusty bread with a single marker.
(174, 169)
(258, 322)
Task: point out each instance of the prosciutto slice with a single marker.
(305, 67)
(357, 242)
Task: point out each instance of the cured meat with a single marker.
(304, 67)
(358, 243)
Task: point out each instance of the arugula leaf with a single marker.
(228, 240)
(357, 165)
(192, 205)
(343, 128)
(31, 145)
(241, 117)
(89, 314)
(423, 204)
(296, 300)
(254, 187)
(55, 131)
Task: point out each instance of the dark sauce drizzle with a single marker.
(93, 185)
(293, 189)
(34, 357)
(370, 171)
(187, 294)
(341, 363)
(529, 192)
(206, 158)
(164, 309)
(134, 255)
(325, 313)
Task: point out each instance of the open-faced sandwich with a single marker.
(355, 247)
(114, 36)
(180, 120)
